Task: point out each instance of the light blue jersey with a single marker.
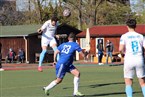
(134, 43)
(65, 62)
(49, 29)
(48, 34)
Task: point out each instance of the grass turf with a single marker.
(96, 81)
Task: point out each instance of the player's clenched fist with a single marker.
(39, 31)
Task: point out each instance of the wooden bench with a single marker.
(48, 56)
(37, 55)
(103, 59)
(115, 58)
(7, 61)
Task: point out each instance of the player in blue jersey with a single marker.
(65, 64)
(132, 44)
(48, 30)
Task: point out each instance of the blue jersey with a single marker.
(67, 52)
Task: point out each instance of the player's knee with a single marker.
(78, 74)
(43, 52)
(142, 84)
(142, 81)
(54, 48)
(53, 45)
(58, 80)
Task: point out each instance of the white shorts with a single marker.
(131, 66)
(46, 41)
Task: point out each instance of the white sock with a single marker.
(51, 85)
(76, 84)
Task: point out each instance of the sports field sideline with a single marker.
(96, 81)
(25, 66)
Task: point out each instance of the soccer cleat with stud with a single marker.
(43, 88)
(78, 94)
(40, 69)
(46, 91)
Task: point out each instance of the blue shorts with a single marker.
(62, 69)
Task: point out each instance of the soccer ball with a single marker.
(66, 12)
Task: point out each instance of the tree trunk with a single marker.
(80, 16)
(40, 10)
(92, 17)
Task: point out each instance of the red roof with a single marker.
(115, 30)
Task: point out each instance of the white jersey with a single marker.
(134, 43)
(48, 29)
(133, 61)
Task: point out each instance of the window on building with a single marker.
(83, 43)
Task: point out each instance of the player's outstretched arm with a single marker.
(57, 36)
(60, 36)
(82, 54)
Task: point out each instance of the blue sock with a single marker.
(128, 90)
(54, 49)
(143, 90)
(41, 57)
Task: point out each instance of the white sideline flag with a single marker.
(88, 40)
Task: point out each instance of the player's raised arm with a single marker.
(44, 26)
(82, 54)
(57, 36)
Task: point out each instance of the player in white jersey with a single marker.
(132, 45)
(48, 33)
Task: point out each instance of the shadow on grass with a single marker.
(107, 94)
(97, 85)
(104, 94)
(106, 84)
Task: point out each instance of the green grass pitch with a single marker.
(96, 81)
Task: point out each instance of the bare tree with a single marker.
(9, 15)
(89, 10)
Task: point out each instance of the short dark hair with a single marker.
(71, 35)
(131, 23)
(54, 18)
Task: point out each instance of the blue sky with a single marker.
(22, 5)
(137, 6)
(133, 1)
